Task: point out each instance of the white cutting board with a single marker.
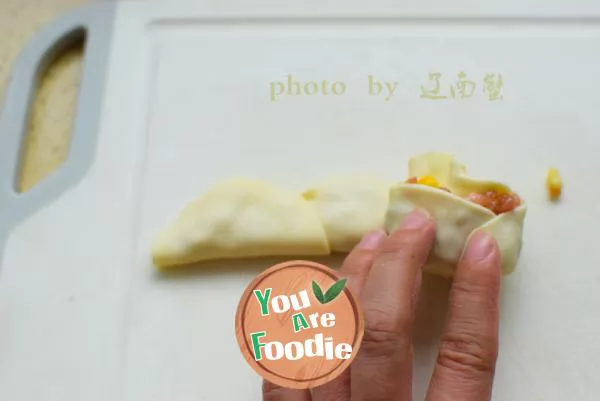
(176, 97)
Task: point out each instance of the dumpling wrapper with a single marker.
(241, 218)
(451, 174)
(349, 207)
(457, 219)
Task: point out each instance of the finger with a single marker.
(382, 369)
(356, 269)
(469, 346)
(358, 263)
(273, 392)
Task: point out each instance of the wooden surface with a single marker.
(53, 109)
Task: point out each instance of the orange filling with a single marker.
(497, 202)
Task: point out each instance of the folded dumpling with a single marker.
(349, 207)
(461, 206)
(241, 218)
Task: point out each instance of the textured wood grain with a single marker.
(48, 138)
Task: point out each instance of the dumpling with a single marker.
(461, 206)
(246, 218)
(241, 218)
(349, 207)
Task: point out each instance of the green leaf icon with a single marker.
(331, 293)
(334, 290)
(318, 292)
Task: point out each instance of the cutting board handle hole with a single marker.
(52, 113)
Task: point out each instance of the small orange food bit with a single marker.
(507, 203)
(482, 200)
(412, 180)
(496, 201)
(554, 183)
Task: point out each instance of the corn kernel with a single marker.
(429, 181)
(554, 183)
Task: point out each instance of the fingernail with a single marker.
(372, 240)
(416, 219)
(479, 247)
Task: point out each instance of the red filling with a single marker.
(496, 202)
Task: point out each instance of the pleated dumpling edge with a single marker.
(461, 206)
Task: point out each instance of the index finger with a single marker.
(382, 369)
(468, 351)
(356, 269)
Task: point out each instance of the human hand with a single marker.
(385, 273)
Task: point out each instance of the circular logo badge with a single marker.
(298, 324)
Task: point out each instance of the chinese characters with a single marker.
(462, 87)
